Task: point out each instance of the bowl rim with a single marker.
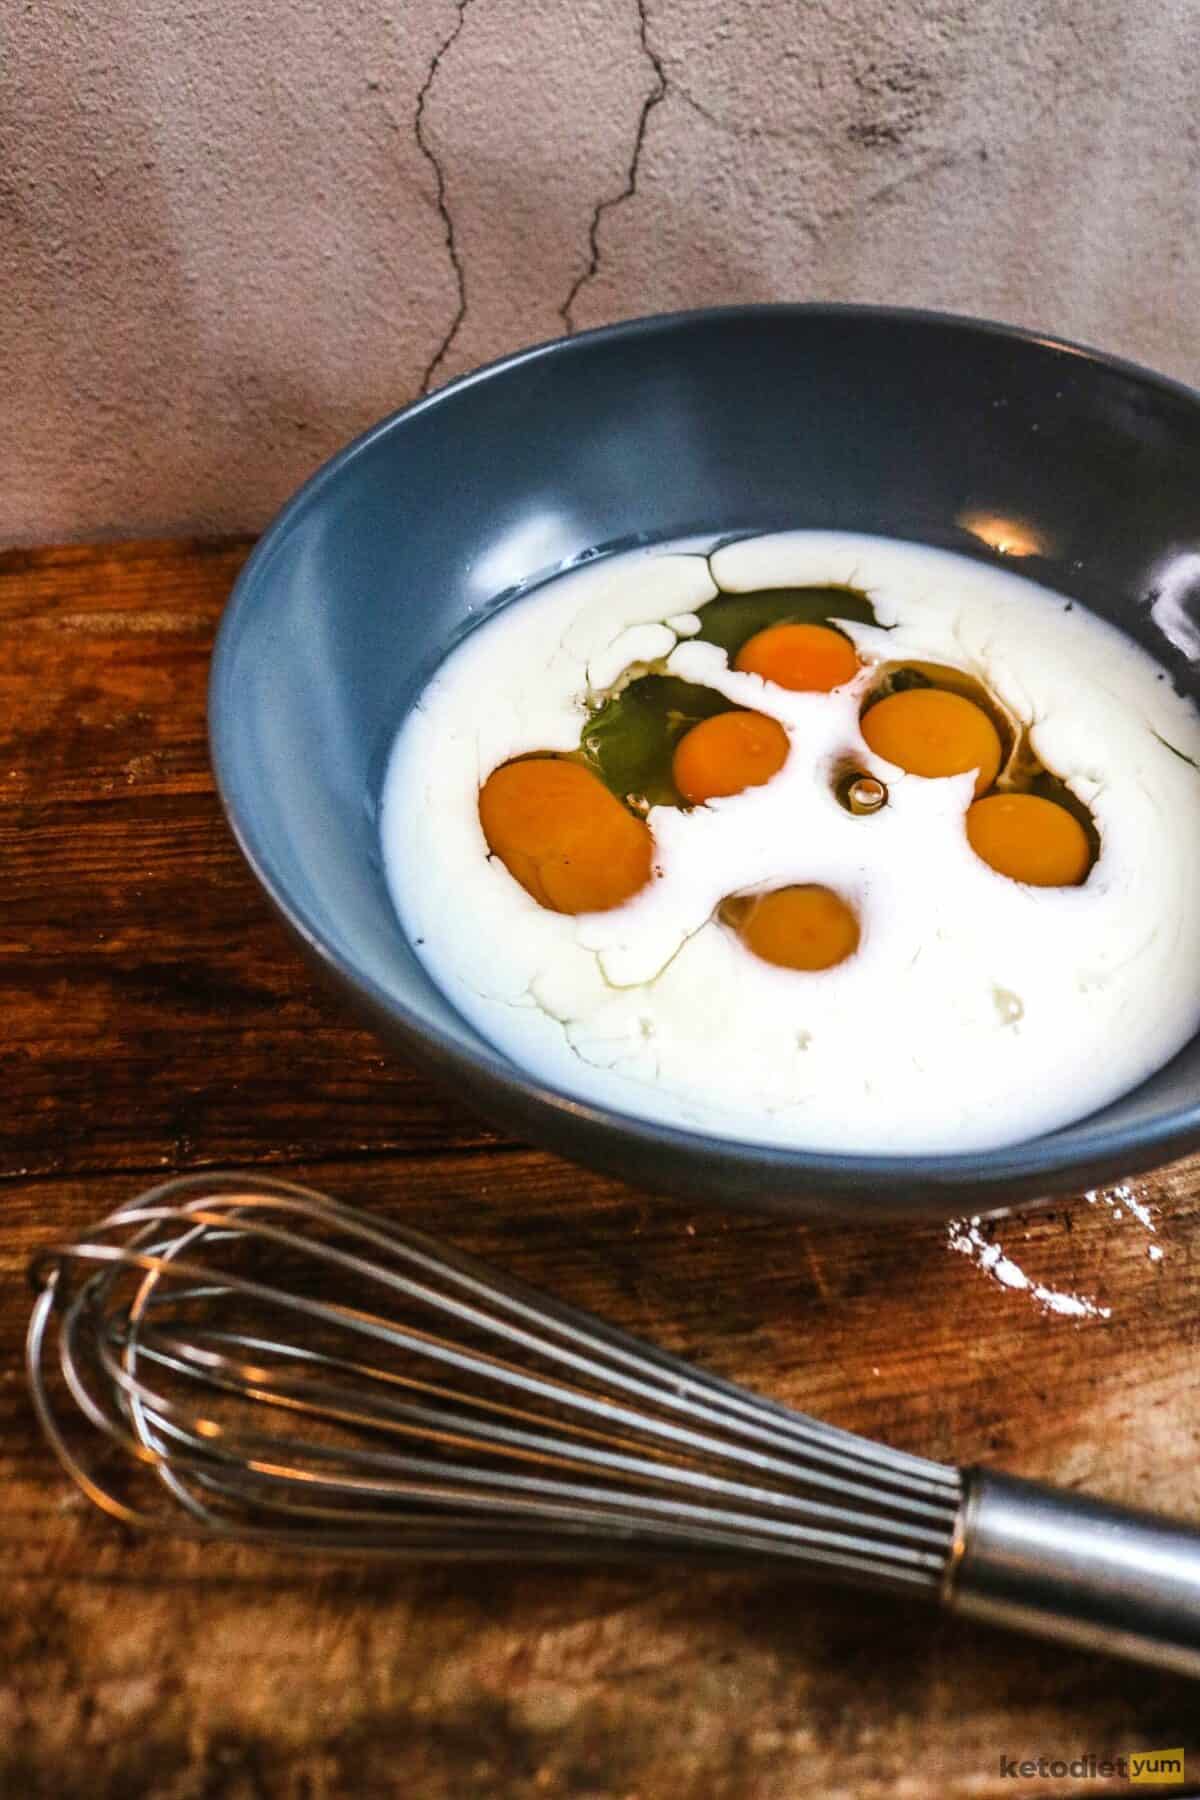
(1072, 1149)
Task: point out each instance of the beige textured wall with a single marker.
(233, 234)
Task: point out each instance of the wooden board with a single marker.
(156, 1019)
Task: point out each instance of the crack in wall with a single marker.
(657, 94)
(443, 206)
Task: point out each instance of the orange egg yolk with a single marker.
(806, 658)
(798, 928)
(931, 732)
(1029, 839)
(727, 754)
(560, 832)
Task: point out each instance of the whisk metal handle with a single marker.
(1063, 1566)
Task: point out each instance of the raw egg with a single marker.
(931, 732)
(804, 927)
(727, 754)
(560, 832)
(805, 658)
(844, 958)
(1029, 839)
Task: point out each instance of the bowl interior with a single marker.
(910, 426)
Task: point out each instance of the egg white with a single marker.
(976, 1012)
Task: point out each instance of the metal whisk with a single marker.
(295, 1373)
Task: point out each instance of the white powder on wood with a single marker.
(968, 1238)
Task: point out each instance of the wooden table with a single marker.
(156, 1019)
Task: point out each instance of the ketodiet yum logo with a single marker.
(1155, 1768)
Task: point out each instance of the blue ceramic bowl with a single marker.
(720, 423)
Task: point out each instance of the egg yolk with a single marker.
(931, 732)
(806, 658)
(1029, 839)
(799, 928)
(727, 754)
(560, 832)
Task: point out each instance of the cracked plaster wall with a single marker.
(232, 236)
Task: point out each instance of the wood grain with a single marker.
(155, 1018)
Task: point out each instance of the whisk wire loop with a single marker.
(295, 1373)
